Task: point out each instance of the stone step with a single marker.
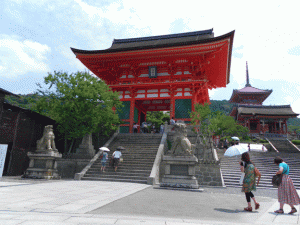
(138, 158)
(144, 181)
(120, 172)
(127, 176)
(264, 162)
(128, 166)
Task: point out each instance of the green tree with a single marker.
(216, 122)
(224, 125)
(79, 103)
(157, 118)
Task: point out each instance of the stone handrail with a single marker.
(78, 176)
(293, 145)
(154, 176)
(271, 144)
(215, 155)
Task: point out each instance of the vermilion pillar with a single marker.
(131, 116)
(172, 103)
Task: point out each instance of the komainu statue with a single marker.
(181, 144)
(46, 143)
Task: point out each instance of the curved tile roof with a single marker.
(280, 110)
(161, 41)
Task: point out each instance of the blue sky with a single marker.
(36, 36)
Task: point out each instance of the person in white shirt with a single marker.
(135, 127)
(116, 158)
(172, 121)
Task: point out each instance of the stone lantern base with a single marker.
(180, 171)
(43, 165)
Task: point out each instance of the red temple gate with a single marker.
(162, 73)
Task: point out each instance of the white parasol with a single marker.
(235, 150)
(104, 149)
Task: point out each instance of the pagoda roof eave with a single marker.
(154, 46)
(279, 110)
(264, 93)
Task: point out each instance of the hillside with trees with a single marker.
(26, 101)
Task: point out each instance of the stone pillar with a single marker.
(86, 149)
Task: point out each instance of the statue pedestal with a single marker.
(43, 165)
(180, 171)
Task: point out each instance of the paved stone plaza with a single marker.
(38, 202)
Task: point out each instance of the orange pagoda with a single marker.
(260, 119)
(162, 73)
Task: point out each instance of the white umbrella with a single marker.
(235, 150)
(104, 149)
(235, 138)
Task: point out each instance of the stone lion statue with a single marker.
(47, 141)
(181, 144)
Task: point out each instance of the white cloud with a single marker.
(18, 57)
(266, 30)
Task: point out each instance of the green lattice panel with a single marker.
(183, 108)
(136, 115)
(125, 111)
(124, 130)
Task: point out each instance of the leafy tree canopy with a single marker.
(157, 118)
(216, 122)
(80, 103)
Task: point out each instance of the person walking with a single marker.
(249, 147)
(287, 193)
(135, 127)
(104, 160)
(225, 144)
(249, 181)
(162, 127)
(172, 121)
(116, 158)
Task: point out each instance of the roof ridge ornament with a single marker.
(247, 76)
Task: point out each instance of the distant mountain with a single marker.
(221, 105)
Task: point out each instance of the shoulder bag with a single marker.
(276, 180)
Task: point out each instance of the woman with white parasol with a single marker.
(104, 158)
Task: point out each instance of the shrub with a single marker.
(263, 141)
(296, 142)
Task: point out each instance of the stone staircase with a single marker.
(283, 145)
(264, 162)
(138, 159)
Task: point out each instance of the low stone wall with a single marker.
(209, 174)
(67, 168)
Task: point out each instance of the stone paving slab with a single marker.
(107, 203)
